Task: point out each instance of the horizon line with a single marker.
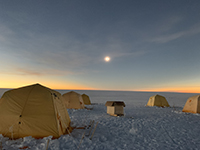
(150, 91)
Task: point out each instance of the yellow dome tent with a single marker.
(35, 111)
(73, 100)
(86, 99)
(157, 100)
(192, 105)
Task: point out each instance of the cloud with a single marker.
(170, 37)
(68, 53)
(169, 23)
(167, 38)
(6, 33)
(40, 53)
(43, 72)
(128, 54)
(23, 71)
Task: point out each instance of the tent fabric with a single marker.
(33, 110)
(86, 99)
(157, 100)
(73, 100)
(192, 104)
(115, 103)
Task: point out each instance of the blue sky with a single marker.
(153, 45)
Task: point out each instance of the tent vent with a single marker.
(54, 94)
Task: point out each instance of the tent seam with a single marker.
(25, 105)
(55, 116)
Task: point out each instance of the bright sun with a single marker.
(107, 58)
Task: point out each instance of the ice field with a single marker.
(141, 127)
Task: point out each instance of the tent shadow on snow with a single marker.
(35, 111)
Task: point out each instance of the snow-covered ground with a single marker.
(141, 127)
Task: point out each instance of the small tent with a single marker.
(192, 104)
(33, 110)
(115, 108)
(73, 100)
(157, 100)
(86, 99)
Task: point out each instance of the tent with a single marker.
(73, 100)
(86, 99)
(192, 105)
(35, 111)
(157, 100)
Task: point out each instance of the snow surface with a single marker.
(141, 127)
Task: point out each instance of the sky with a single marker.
(153, 45)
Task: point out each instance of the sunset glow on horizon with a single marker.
(186, 89)
(75, 86)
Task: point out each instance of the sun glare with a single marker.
(107, 58)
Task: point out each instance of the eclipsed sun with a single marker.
(107, 58)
